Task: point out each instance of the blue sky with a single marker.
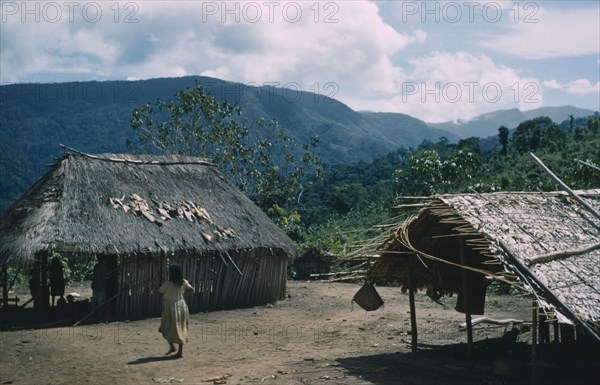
(435, 60)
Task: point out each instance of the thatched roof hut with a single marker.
(547, 242)
(142, 211)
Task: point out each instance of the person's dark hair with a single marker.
(175, 274)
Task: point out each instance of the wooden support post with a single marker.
(534, 347)
(42, 292)
(411, 301)
(5, 284)
(467, 303)
(36, 283)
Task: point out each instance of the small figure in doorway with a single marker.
(57, 280)
(99, 282)
(34, 281)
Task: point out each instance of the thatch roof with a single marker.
(520, 235)
(104, 204)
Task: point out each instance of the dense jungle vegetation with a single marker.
(341, 208)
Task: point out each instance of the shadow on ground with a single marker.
(146, 360)
(491, 365)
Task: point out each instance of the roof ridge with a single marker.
(111, 158)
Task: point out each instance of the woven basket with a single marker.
(368, 298)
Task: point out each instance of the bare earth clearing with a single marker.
(313, 337)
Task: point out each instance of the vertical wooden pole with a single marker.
(413, 314)
(534, 347)
(37, 283)
(43, 293)
(5, 284)
(467, 303)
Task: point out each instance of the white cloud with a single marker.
(457, 85)
(55, 48)
(582, 87)
(542, 32)
(575, 87)
(355, 51)
(552, 84)
(301, 42)
(368, 63)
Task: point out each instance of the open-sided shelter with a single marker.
(140, 213)
(546, 242)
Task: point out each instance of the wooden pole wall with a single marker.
(217, 282)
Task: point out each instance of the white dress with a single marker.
(175, 315)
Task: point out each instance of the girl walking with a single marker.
(175, 314)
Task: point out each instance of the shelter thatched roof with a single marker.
(135, 205)
(528, 233)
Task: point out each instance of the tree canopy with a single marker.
(356, 196)
(258, 155)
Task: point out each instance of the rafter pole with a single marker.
(564, 186)
(588, 164)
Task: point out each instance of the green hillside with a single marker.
(95, 117)
(342, 208)
(362, 149)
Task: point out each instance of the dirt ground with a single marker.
(313, 337)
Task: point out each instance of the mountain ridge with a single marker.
(94, 116)
(487, 124)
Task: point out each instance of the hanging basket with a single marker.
(368, 298)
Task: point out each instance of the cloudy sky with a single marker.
(435, 60)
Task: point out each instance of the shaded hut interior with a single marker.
(141, 213)
(433, 232)
(312, 264)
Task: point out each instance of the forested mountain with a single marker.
(342, 208)
(95, 117)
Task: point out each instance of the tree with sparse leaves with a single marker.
(258, 155)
